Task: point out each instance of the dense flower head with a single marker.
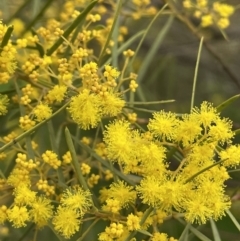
(122, 192)
(42, 112)
(41, 211)
(86, 109)
(18, 215)
(23, 195)
(57, 93)
(230, 156)
(77, 199)
(118, 139)
(164, 125)
(66, 221)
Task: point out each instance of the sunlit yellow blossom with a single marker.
(133, 222)
(188, 130)
(45, 187)
(42, 112)
(57, 93)
(118, 140)
(162, 237)
(221, 131)
(152, 156)
(93, 180)
(164, 125)
(23, 195)
(21, 43)
(133, 85)
(206, 115)
(171, 194)
(122, 192)
(112, 104)
(148, 190)
(89, 75)
(85, 168)
(223, 23)
(66, 221)
(41, 211)
(77, 199)
(110, 73)
(159, 237)
(67, 158)
(231, 156)
(19, 176)
(51, 158)
(199, 208)
(18, 216)
(224, 10)
(159, 216)
(200, 154)
(115, 230)
(85, 109)
(26, 123)
(112, 205)
(206, 20)
(8, 59)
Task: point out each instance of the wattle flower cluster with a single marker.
(202, 163)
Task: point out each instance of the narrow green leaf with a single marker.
(69, 30)
(50, 225)
(237, 132)
(145, 232)
(55, 149)
(234, 170)
(75, 160)
(151, 53)
(116, 15)
(216, 235)
(6, 37)
(27, 231)
(140, 109)
(146, 32)
(184, 235)
(227, 102)
(151, 102)
(196, 232)
(234, 220)
(196, 73)
(39, 47)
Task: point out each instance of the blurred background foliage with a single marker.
(168, 76)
